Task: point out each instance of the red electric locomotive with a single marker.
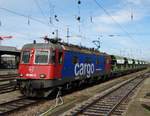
(45, 66)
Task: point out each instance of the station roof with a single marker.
(9, 50)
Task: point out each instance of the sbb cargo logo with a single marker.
(84, 69)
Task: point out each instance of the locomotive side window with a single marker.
(41, 57)
(60, 58)
(25, 56)
(75, 59)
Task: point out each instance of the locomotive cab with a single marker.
(40, 66)
(45, 67)
(41, 63)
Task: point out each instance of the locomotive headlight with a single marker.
(42, 75)
(21, 75)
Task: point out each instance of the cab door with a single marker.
(59, 63)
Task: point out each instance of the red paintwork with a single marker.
(33, 71)
(58, 67)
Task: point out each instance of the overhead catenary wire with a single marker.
(29, 17)
(0, 23)
(26, 16)
(51, 12)
(107, 13)
(79, 17)
(49, 18)
(23, 15)
(40, 9)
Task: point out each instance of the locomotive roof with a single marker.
(75, 48)
(42, 46)
(65, 46)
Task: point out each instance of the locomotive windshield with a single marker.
(41, 57)
(25, 56)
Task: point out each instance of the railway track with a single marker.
(8, 77)
(111, 102)
(7, 83)
(8, 86)
(14, 105)
(5, 76)
(9, 107)
(5, 88)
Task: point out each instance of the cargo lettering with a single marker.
(84, 69)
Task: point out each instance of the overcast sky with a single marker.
(127, 20)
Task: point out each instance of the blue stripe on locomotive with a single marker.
(68, 70)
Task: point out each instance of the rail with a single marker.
(7, 83)
(107, 103)
(14, 105)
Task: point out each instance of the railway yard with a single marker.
(99, 84)
(7, 83)
(106, 96)
(119, 96)
(74, 58)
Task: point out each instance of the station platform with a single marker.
(8, 71)
(140, 105)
